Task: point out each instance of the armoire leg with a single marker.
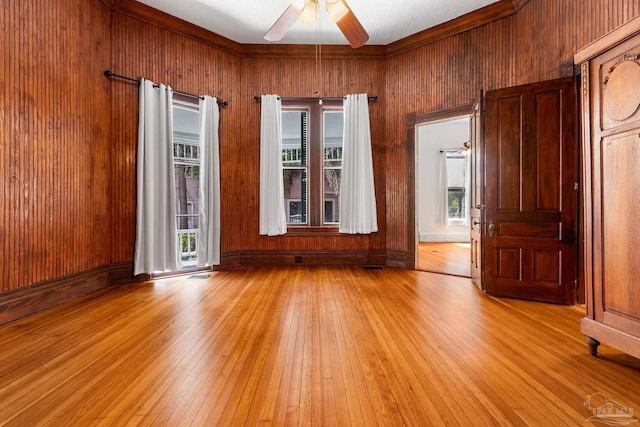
(593, 346)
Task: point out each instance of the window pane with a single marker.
(295, 195)
(294, 138)
(332, 194)
(294, 162)
(456, 177)
(333, 123)
(332, 138)
(186, 156)
(456, 204)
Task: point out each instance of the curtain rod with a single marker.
(313, 98)
(109, 73)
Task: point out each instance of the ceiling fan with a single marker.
(307, 11)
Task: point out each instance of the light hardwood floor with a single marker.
(445, 258)
(305, 346)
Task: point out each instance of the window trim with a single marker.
(315, 165)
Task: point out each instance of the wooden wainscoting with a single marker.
(306, 346)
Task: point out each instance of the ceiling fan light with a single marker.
(310, 13)
(336, 9)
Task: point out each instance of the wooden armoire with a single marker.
(610, 69)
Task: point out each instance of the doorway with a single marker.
(442, 196)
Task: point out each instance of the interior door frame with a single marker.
(413, 120)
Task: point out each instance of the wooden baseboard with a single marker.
(32, 299)
(288, 258)
(23, 302)
(401, 259)
(121, 273)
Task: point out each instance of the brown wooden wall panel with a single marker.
(330, 75)
(435, 77)
(188, 65)
(68, 134)
(528, 46)
(54, 109)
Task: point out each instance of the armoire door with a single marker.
(531, 177)
(611, 119)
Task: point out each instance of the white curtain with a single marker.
(273, 220)
(156, 247)
(209, 220)
(357, 191)
(442, 213)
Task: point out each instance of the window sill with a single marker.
(325, 230)
(457, 221)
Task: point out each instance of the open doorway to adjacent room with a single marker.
(442, 196)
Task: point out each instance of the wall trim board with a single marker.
(598, 46)
(517, 4)
(25, 301)
(121, 273)
(448, 113)
(299, 51)
(469, 21)
(411, 121)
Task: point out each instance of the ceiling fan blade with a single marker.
(282, 25)
(353, 31)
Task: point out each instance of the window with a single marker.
(186, 158)
(312, 162)
(456, 186)
(455, 202)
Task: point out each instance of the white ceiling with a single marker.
(386, 21)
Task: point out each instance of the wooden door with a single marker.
(476, 198)
(531, 184)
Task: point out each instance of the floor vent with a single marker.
(372, 267)
(199, 276)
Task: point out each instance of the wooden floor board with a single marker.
(445, 257)
(305, 346)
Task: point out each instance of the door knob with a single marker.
(492, 229)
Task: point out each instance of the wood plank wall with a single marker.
(67, 141)
(54, 140)
(332, 74)
(526, 47)
(186, 64)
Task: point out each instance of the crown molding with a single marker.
(469, 21)
(142, 12)
(485, 15)
(305, 51)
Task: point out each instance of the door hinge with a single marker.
(576, 187)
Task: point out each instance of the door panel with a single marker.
(621, 174)
(530, 175)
